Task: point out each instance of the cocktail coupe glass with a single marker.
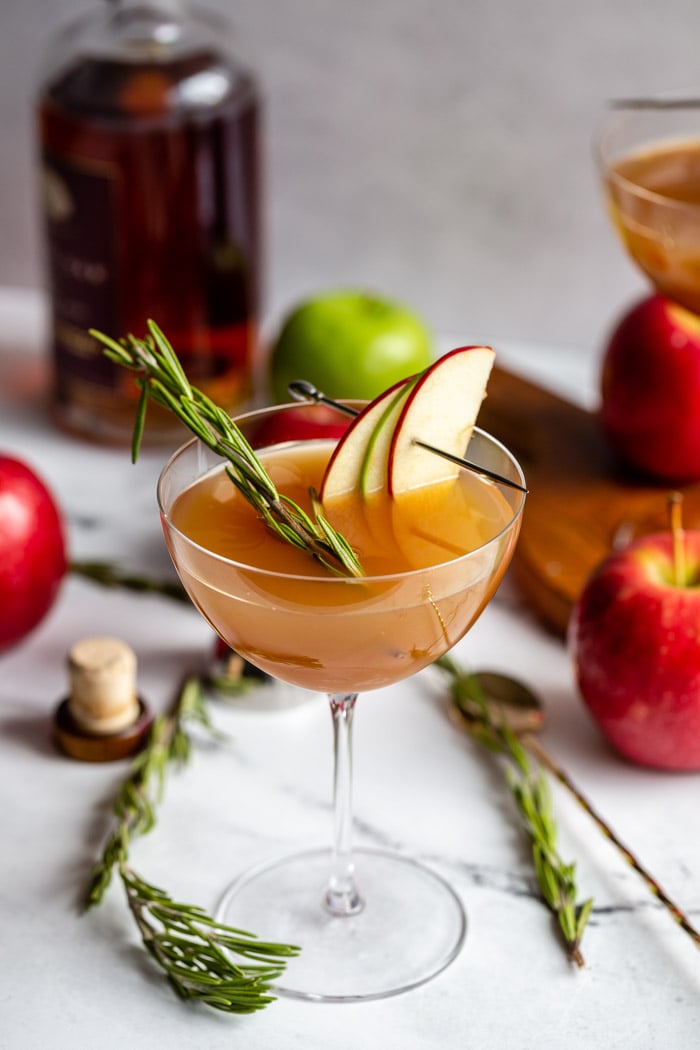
(384, 923)
(647, 152)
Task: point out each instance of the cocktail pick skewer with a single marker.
(302, 390)
(468, 465)
(521, 710)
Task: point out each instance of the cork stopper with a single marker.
(103, 697)
(103, 718)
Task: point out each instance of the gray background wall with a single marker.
(436, 150)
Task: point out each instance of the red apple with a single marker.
(32, 550)
(650, 390)
(299, 423)
(635, 641)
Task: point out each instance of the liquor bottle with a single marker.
(150, 149)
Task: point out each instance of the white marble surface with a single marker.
(75, 982)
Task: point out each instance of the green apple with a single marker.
(350, 344)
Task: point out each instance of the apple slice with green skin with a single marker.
(374, 465)
(357, 468)
(441, 410)
(348, 464)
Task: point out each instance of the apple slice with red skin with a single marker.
(441, 410)
(348, 463)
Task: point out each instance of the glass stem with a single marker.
(342, 896)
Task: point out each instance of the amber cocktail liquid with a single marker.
(323, 633)
(654, 196)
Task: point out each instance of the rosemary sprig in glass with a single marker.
(531, 792)
(195, 951)
(163, 380)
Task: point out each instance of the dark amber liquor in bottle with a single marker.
(150, 146)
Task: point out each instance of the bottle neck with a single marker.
(133, 32)
(149, 22)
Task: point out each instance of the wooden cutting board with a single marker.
(581, 502)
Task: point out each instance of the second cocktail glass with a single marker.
(370, 923)
(648, 156)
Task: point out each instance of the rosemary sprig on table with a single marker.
(106, 574)
(195, 951)
(530, 790)
(163, 380)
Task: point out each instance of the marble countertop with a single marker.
(71, 980)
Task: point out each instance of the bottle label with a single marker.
(80, 206)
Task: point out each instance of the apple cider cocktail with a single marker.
(424, 544)
(270, 603)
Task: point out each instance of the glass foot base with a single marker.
(411, 927)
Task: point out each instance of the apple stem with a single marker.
(675, 513)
